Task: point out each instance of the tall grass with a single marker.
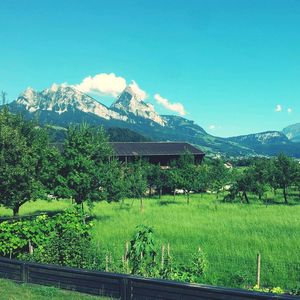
(231, 235)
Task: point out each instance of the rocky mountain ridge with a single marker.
(64, 105)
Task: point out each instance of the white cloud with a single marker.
(289, 110)
(102, 84)
(278, 108)
(177, 107)
(212, 127)
(142, 95)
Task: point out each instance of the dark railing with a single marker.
(120, 286)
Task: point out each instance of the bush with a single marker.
(63, 239)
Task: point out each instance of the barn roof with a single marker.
(154, 148)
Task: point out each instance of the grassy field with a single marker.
(231, 235)
(13, 291)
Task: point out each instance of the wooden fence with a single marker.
(120, 286)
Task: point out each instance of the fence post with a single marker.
(258, 270)
(106, 263)
(162, 256)
(123, 289)
(24, 273)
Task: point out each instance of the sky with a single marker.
(231, 66)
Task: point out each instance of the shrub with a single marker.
(64, 239)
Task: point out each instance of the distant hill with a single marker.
(58, 134)
(269, 143)
(293, 132)
(125, 135)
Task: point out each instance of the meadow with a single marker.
(230, 234)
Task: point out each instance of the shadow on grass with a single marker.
(291, 202)
(100, 218)
(167, 202)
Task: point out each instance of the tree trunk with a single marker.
(16, 210)
(142, 205)
(150, 192)
(174, 194)
(285, 196)
(246, 197)
(160, 192)
(188, 197)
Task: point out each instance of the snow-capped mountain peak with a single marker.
(130, 103)
(63, 98)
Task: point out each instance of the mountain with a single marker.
(268, 143)
(293, 132)
(130, 106)
(63, 105)
(60, 99)
(262, 138)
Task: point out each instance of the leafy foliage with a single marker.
(86, 150)
(142, 255)
(25, 161)
(63, 239)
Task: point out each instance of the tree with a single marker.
(173, 178)
(188, 174)
(156, 178)
(113, 182)
(260, 171)
(218, 176)
(203, 178)
(19, 161)
(49, 161)
(136, 180)
(81, 176)
(285, 170)
(244, 183)
(153, 172)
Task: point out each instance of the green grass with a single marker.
(231, 235)
(13, 291)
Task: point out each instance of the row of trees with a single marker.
(265, 174)
(85, 169)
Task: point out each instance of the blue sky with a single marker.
(229, 63)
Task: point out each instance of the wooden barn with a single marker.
(155, 152)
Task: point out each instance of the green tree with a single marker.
(153, 174)
(113, 181)
(219, 176)
(173, 178)
(285, 170)
(203, 178)
(20, 164)
(188, 174)
(260, 171)
(243, 184)
(86, 151)
(159, 178)
(136, 180)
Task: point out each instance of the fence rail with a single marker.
(120, 286)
